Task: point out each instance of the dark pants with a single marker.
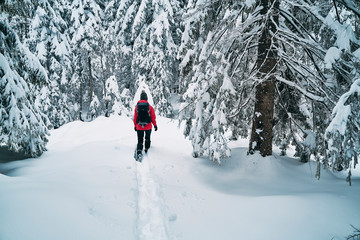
(140, 134)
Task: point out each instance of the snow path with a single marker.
(151, 223)
(89, 187)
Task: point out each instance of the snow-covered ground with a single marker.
(88, 186)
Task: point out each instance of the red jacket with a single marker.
(152, 116)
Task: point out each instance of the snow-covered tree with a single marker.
(342, 134)
(273, 53)
(48, 41)
(149, 35)
(116, 102)
(207, 89)
(20, 14)
(22, 126)
(86, 82)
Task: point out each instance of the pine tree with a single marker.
(342, 134)
(119, 83)
(210, 92)
(86, 81)
(148, 33)
(22, 126)
(342, 64)
(49, 43)
(20, 15)
(300, 90)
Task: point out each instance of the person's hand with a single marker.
(155, 128)
(135, 129)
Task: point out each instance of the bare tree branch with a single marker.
(355, 235)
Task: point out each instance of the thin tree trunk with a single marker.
(262, 134)
(106, 101)
(81, 102)
(91, 89)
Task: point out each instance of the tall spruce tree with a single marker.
(285, 38)
(48, 41)
(119, 83)
(342, 134)
(207, 89)
(148, 33)
(342, 141)
(87, 88)
(23, 127)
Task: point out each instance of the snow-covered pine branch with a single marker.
(342, 133)
(302, 90)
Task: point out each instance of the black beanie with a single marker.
(143, 95)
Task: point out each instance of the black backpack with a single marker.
(143, 111)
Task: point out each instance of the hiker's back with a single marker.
(143, 111)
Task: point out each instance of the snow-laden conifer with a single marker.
(116, 102)
(148, 32)
(87, 82)
(22, 127)
(304, 90)
(49, 42)
(342, 134)
(210, 96)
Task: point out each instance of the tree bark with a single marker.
(81, 102)
(91, 88)
(261, 134)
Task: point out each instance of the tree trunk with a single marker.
(81, 102)
(261, 134)
(91, 89)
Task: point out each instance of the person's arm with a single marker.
(135, 115)
(152, 116)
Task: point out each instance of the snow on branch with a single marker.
(341, 110)
(302, 90)
(306, 8)
(341, 134)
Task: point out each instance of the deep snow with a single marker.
(88, 186)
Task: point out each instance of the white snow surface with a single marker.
(331, 56)
(88, 186)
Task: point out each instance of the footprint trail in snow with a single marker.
(151, 221)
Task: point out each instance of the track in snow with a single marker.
(151, 220)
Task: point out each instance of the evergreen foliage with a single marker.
(342, 134)
(148, 35)
(48, 42)
(305, 90)
(23, 127)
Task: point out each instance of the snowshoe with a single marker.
(138, 155)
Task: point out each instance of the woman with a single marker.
(144, 119)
